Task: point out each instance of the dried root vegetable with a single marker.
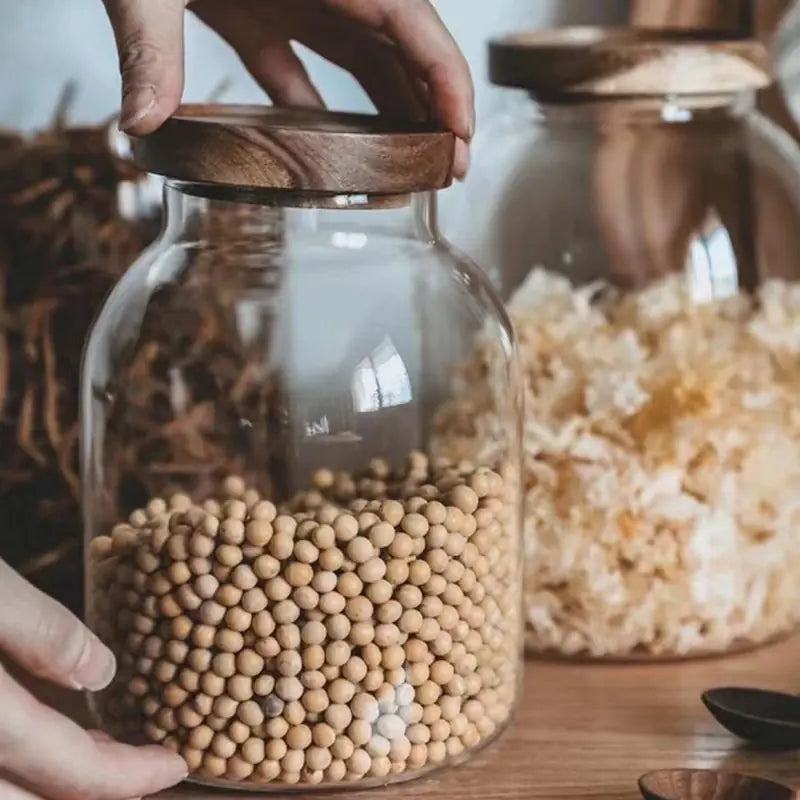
(66, 237)
(662, 465)
(199, 397)
(63, 243)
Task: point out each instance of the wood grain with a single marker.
(689, 784)
(569, 63)
(658, 188)
(731, 15)
(758, 18)
(301, 150)
(588, 731)
(648, 197)
(768, 235)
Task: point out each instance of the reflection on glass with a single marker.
(381, 380)
(711, 264)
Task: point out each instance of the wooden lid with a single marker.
(299, 150)
(592, 62)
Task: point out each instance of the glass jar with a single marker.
(644, 220)
(300, 586)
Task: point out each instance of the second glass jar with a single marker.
(643, 220)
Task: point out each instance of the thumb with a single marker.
(149, 35)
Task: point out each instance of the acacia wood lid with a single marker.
(594, 62)
(299, 150)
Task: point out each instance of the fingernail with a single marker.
(471, 124)
(181, 770)
(461, 160)
(136, 105)
(96, 667)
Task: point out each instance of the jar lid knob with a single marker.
(595, 62)
(298, 150)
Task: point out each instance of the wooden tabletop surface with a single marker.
(588, 731)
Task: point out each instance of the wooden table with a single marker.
(588, 731)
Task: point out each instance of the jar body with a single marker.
(299, 586)
(649, 257)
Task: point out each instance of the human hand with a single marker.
(399, 50)
(42, 753)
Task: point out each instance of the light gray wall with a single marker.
(44, 43)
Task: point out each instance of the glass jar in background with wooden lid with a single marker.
(300, 586)
(644, 221)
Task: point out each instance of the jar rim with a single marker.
(286, 198)
(297, 150)
(607, 62)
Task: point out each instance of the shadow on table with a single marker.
(777, 765)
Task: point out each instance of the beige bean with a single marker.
(229, 641)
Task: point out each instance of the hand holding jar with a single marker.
(401, 53)
(43, 753)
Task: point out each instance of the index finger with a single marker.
(426, 43)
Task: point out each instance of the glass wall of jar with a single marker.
(786, 56)
(645, 225)
(301, 581)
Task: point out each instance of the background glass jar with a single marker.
(644, 223)
(300, 585)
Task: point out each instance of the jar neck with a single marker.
(254, 219)
(674, 110)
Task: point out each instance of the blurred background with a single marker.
(43, 44)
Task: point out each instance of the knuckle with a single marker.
(138, 54)
(6, 740)
(85, 792)
(396, 18)
(6, 681)
(9, 736)
(60, 641)
(402, 9)
(79, 787)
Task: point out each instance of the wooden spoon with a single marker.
(699, 784)
(766, 719)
